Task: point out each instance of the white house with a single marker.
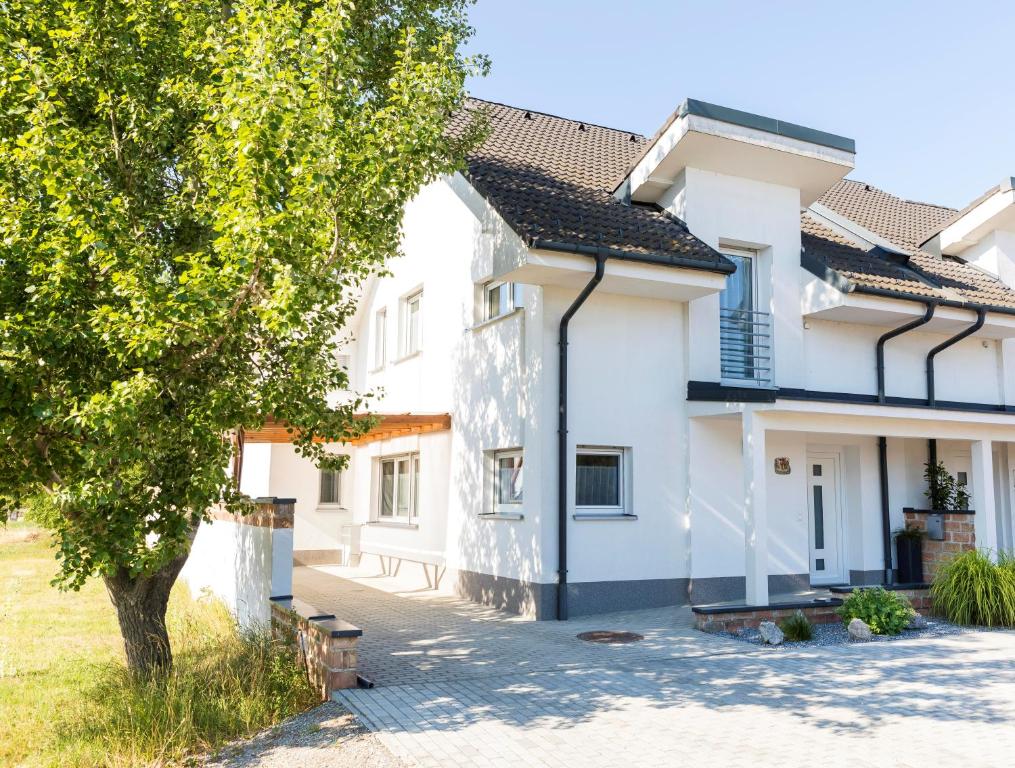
(760, 356)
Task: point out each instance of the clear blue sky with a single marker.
(927, 89)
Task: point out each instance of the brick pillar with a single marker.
(959, 536)
(328, 644)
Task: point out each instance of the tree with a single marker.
(190, 194)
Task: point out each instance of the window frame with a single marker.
(620, 509)
(339, 488)
(507, 507)
(412, 515)
(508, 302)
(380, 348)
(410, 344)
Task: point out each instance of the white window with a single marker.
(507, 482)
(500, 298)
(331, 487)
(599, 480)
(380, 338)
(399, 488)
(412, 324)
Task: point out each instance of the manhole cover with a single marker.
(610, 638)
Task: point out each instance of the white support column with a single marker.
(755, 508)
(983, 503)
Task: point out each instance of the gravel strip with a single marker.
(836, 634)
(328, 736)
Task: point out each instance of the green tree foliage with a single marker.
(191, 194)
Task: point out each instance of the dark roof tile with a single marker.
(552, 180)
(920, 275)
(903, 222)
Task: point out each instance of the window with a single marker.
(599, 479)
(412, 323)
(380, 340)
(331, 487)
(399, 488)
(744, 331)
(507, 481)
(500, 298)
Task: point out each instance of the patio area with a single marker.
(462, 685)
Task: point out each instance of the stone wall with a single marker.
(326, 644)
(959, 536)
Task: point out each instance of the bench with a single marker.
(391, 562)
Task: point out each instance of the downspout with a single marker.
(981, 316)
(886, 525)
(891, 335)
(562, 437)
(886, 521)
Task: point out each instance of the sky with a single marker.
(925, 88)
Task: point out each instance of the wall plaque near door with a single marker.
(782, 465)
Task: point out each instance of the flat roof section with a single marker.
(768, 124)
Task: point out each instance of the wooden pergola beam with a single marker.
(388, 426)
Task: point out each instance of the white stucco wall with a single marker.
(242, 565)
(840, 357)
(317, 526)
(733, 211)
(627, 378)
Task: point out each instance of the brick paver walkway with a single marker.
(460, 685)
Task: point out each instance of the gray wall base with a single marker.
(721, 589)
(866, 578)
(539, 601)
(591, 597)
(526, 598)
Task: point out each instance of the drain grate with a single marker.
(610, 638)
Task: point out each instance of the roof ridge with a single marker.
(557, 117)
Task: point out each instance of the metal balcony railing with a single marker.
(745, 346)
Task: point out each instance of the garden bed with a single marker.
(836, 634)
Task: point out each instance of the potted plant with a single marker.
(909, 554)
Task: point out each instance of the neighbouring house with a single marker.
(760, 356)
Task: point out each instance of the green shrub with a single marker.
(971, 589)
(797, 628)
(886, 613)
(223, 685)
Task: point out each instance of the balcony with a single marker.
(745, 347)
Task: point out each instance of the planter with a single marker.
(909, 555)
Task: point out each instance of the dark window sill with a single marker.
(495, 516)
(597, 516)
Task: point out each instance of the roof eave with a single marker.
(722, 266)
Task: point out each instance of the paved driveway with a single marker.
(460, 685)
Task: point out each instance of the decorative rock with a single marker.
(917, 622)
(859, 631)
(770, 633)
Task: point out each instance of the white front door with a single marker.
(824, 507)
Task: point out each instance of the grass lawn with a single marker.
(50, 642)
(65, 697)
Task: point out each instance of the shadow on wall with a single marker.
(494, 374)
(232, 561)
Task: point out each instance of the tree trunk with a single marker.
(141, 603)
